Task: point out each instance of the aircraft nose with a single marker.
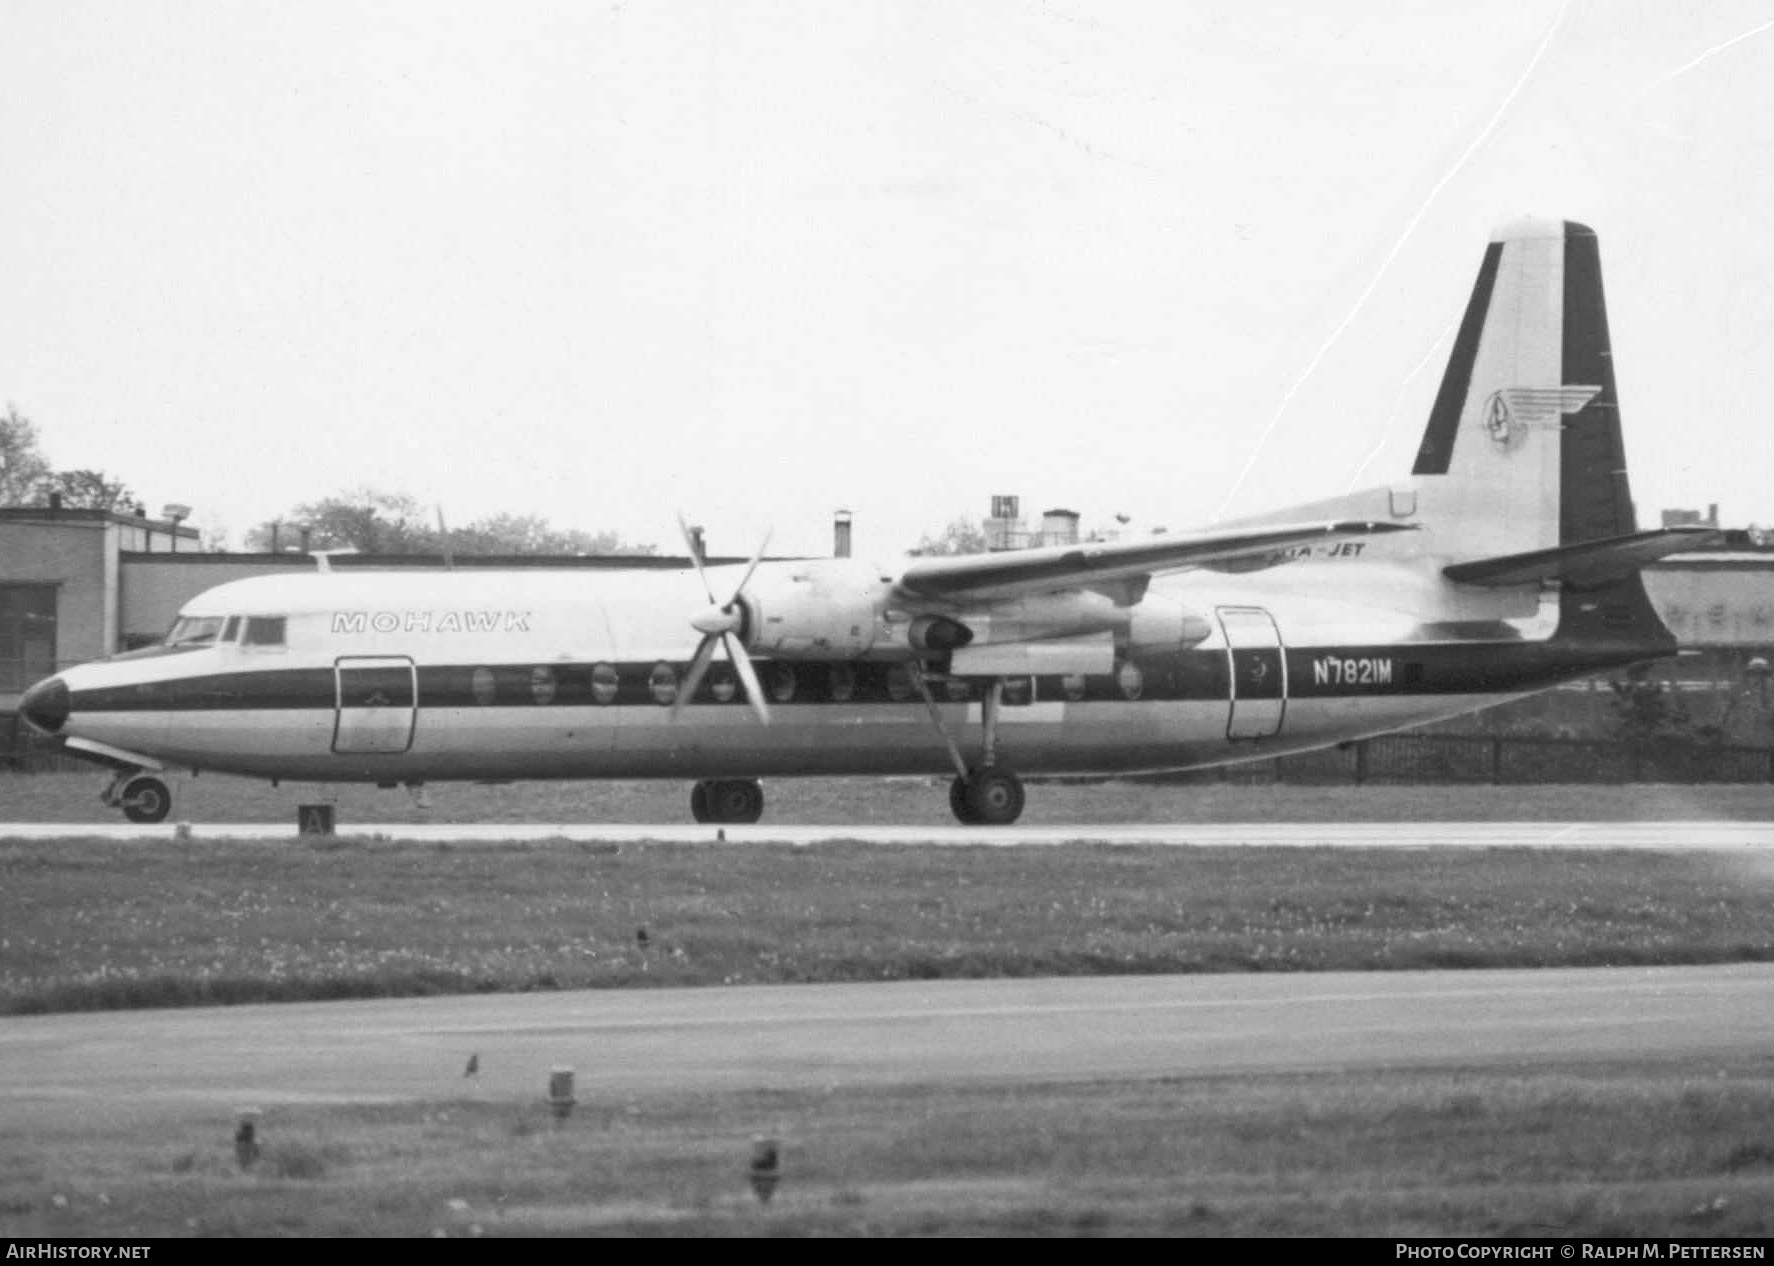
(45, 705)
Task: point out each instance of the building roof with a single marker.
(70, 516)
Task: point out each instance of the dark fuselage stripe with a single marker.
(1318, 673)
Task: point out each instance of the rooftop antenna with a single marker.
(443, 535)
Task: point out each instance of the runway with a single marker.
(82, 1072)
(1722, 836)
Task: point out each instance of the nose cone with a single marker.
(45, 705)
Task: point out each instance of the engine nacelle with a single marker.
(1036, 617)
(819, 613)
(1163, 623)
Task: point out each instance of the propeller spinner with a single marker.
(721, 625)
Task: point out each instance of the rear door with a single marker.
(1259, 672)
(377, 703)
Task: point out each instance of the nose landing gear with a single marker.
(142, 798)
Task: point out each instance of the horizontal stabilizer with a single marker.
(1058, 567)
(1584, 565)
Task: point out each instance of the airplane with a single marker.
(1506, 563)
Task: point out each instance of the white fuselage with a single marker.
(414, 676)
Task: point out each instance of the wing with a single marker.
(1016, 572)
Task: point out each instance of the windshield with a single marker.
(194, 630)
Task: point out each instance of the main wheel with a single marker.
(995, 796)
(699, 802)
(958, 803)
(146, 800)
(735, 800)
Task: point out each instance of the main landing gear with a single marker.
(986, 794)
(727, 800)
(142, 798)
(987, 797)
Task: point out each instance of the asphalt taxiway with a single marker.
(79, 1072)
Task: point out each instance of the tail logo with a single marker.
(1511, 413)
(1501, 422)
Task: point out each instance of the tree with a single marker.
(533, 534)
(22, 467)
(375, 522)
(1648, 711)
(87, 490)
(364, 519)
(961, 536)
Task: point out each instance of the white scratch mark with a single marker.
(1361, 300)
(1713, 52)
(1397, 400)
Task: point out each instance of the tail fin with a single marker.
(1522, 472)
(1523, 449)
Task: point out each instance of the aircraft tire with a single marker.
(735, 800)
(699, 808)
(959, 804)
(995, 796)
(146, 800)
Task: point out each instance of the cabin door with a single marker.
(1259, 672)
(377, 703)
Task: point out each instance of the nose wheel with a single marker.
(142, 799)
(727, 800)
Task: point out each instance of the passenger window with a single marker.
(264, 630)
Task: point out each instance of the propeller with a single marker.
(720, 626)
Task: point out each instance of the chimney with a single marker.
(841, 534)
(1712, 514)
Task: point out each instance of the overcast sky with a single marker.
(761, 260)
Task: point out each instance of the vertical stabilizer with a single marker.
(1522, 451)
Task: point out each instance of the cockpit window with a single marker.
(232, 629)
(264, 630)
(200, 630)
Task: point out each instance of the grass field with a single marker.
(1593, 1151)
(1637, 1149)
(104, 924)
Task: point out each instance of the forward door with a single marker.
(377, 704)
(1259, 672)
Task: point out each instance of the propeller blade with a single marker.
(705, 653)
(695, 556)
(749, 569)
(754, 691)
